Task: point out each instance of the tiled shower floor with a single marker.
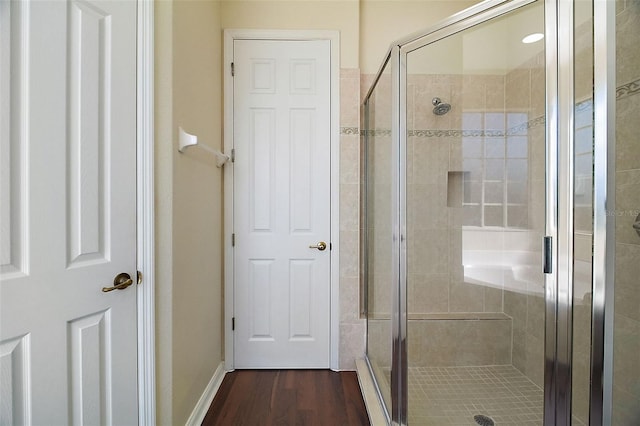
(453, 395)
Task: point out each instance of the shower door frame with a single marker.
(559, 140)
(604, 223)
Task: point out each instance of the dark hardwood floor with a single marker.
(288, 397)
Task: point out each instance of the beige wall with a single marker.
(299, 15)
(367, 27)
(384, 21)
(189, 204)
(163, 205)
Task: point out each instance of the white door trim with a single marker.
(334, 38)
(145, 216)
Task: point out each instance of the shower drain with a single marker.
(483, 420)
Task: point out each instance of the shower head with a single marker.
(439, 107)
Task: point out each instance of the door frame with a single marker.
(230, 35)
(145, 215)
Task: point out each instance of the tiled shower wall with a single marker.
(352, 327)
(489, 113)
(525, 94)
(439, 147)
(436, 282)
(468, 321)
(626, 388)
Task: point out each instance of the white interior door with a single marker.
(282, 203)
(68, 203)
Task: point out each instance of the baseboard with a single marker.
(201, 408)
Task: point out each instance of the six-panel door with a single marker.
(281, 203)
(67, 212)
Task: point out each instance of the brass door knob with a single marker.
(320, 246)
(120, 282)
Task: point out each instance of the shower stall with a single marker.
(500, 227)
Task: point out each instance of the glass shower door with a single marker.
(475, 215)
(377, 256)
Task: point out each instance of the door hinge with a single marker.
(233, 323)
(233, 69)
(233, 240)
(548, 255)
(233, 155)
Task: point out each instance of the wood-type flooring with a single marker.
(288, 397)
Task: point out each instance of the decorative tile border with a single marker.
(376, 132)
(520, 129)
(349, 131)
(455, 133)
(628, 89)
(622, 92)
(517, 130)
